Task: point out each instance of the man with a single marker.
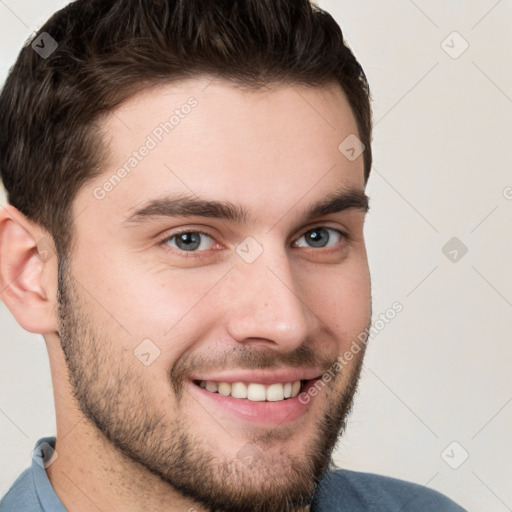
(186, 184)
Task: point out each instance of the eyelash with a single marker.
(191, 254)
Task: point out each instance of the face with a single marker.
(214, 282)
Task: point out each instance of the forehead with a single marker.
(268, 148)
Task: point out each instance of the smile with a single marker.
(253, 391)
(261, 397)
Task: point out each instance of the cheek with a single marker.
(163, 305)
(340, 296)
(174, 308)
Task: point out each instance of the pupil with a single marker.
(318, 237)
(188, 241)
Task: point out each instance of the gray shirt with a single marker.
(339, 491)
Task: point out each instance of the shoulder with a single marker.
(32, 491)
(21, 496)
(346, 490)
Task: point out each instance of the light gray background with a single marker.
(439, 373)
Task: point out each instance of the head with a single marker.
(188, 168)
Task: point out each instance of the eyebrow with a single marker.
(193, 206)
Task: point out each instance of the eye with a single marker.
(320, 237)
(190, 241)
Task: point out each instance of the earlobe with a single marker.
(28, 272)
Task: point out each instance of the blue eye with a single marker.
(197, 241)
(320, 237)
(189, 241)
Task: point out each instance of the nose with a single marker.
(267, 304)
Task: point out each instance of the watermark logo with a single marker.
(249, 250)
(146, 352)
(454, 45)
(351, 147)
(45, 249)
(249, 454)
(44, 45)
(454, 249)
(45, 455)
(455, 455)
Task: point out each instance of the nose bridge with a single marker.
(269, 304)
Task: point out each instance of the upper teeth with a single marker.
(253, 391)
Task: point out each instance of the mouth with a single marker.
(255, 391)
(259, 397)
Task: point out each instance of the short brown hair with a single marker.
(108, 50)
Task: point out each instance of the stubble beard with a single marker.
(111, 395)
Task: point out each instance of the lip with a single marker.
(260, 413)
(261, 376)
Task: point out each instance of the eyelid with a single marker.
(344, 233)
(181, 231)
(344, 236)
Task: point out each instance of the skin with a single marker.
(132, 436)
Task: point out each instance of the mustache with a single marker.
(247, 358)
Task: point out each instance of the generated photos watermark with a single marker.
(356, 346)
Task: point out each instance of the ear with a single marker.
(28, 272)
